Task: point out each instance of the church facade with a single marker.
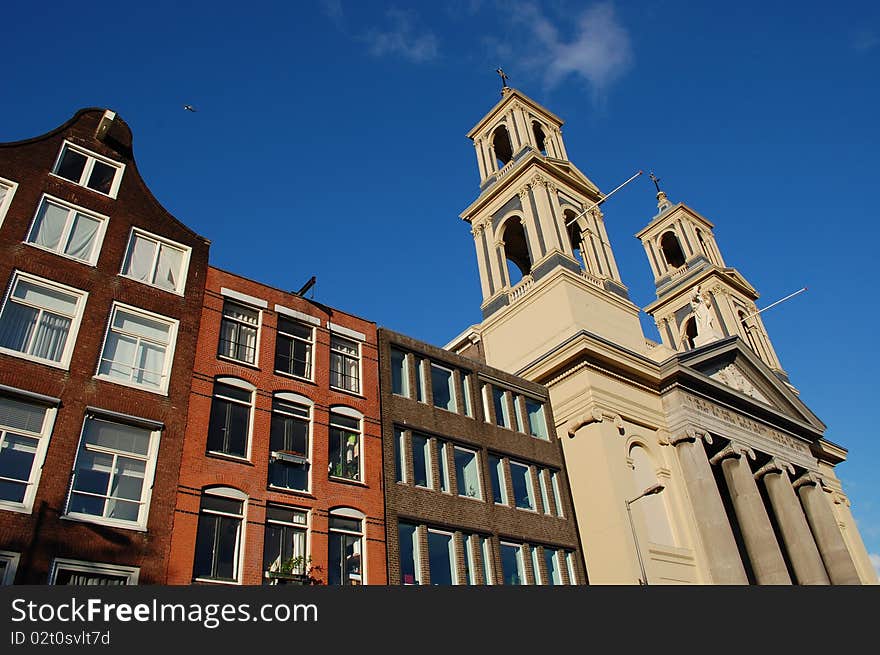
(690, 461)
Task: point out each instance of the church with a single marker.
(690, 461)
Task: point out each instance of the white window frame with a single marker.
(450, 552)
(476, 454)
(311, 341)
(348, 412)
(309, 405)
(536, 567)
(350, 513)
(400, 463)
(544, 483)
(75, 320)
(246, 386)
(91, 158)
(466, 394)
(11, 558)
(519, 409)
(233, 494)
(417, 554)
(528, 426)
(443, 447)
(43, 437)
(557, 495)
(173, 325)
(131, 573)
(360, 363)
(488, 560)
(450, 388)
(530, 487)
(160, 241)
(257, 338)
(68, 226)
(426, 454)
(520, 562)
(150, 459)
(501, 470)
(421, 386)
(11, 188)
(556, 556)
(305, 528)
(405, 392)
(572, 569)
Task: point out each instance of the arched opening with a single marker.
(516, 250)
(574, 237)
(672, 251)
(689, 333)
(502, 146)
(540, 137)
(703, 246)
(747, 330)
(650, 509)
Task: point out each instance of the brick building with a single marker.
(282, 464)
(476, 486)
(101, 295)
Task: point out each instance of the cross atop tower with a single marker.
(503, 76)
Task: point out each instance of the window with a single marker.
(536, 569)
(502, 412)
(345, 364)
(230, 421)
(517, 412)
(443, 385)
(569, 563)
(24, 436)
(671, 249)
(68, 230)
(466, 395)
(345, 447)
(512, 567)
(138, 349)
(238, 332)
(40, 319)
(156, 261)
(410, 560)
(72, 572)
(7, 190)
(219, 536)
(293, 348)
(420, 381)
(523, 492)
(88, 169)
(346, 547)
(467, 473)
(284, 544)
(8, 566)
(553, 564)
(499, 488)
(477, 559)
(289, 443)
(421, 447)
(557, 497)
(399, 373)
(486, 545)
(399, 455)
(441, 558)
(537, 422)
(113, 475)
(443, 448)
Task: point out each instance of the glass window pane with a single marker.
(93, 472)
(443, 450)
(399, 455)
(229, 391)
(71, 165)
(522, 486)
(443, 388)
(139, 262)
(49, 298)
(17, 326)
(441, 558)
(49, 225)
(536, 569)
(409, 562)
(82, 237)
(502, 415)
(17, 455)
(21, 415)
(117, 436)
(466, 395)
(421, 447)
(399, 373)
(222, 504)
(169, 268)
(467, 473)
(537, 423)
(496, 470)
(344, 523)
(512, 565)
(551, 561)
(142, 326)
(101, 178)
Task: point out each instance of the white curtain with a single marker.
(82, 237)
(150, 364)
(168, 267)
(51, 337)
(49, 226)
(16, 326)
(119, 353)
(140, 259)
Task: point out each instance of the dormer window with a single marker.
(89, 169)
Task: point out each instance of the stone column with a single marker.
(724, 561)
(754, 523)
(799, 542)
(832, 548)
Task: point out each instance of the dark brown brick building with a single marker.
(102, 290)
(476, 486)
(282, 463)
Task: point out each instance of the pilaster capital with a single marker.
(478, 228)
(732, 449)
(689, 436)
(775, 465)
(499, 243)
(523, 193)
(809, 479)
(538, 180)
(596, 415)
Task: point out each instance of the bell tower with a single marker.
(699, 299)
(547, 270)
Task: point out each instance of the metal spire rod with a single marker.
(603, 199)
(791, 295)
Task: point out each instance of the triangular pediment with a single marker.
(731, 364)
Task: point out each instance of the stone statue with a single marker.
(706, 330)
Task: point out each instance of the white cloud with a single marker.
(594, 47)
(333, 10)
(402, 37)
(875, 560)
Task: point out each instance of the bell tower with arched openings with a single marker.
(699, 299)
(547, 270)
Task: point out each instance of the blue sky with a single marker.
(330, 140)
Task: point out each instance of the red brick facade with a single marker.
(36, 536)
(249, 475)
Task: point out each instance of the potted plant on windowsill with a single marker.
(295, 570)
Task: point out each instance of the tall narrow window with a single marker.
(113, 474)
(284, 543)
(68, 230)
(219, 535)
(544, 483)
(421, 447)
(557, 495)
(569, 564)
(345, 364)
(229, 427)
(345, 540)
(523, 492)
(671, 249)
(512, 566)
(502, 413)
(496, 470)
(466, 394)
(537, 421)
(238, 332)
(554, 570)
(689, 333)
(24, 435)
(139, 349)
(467, 473)
(345, 446)
(289, 445)
(293, 348)
(89, 169)
(536, 569)
(471, 558)
(488, 566)
(443, 452)
(540, 138)
(410, 564)
(441, 558)
(156, 261)
(7, 190)
(399, 373)
(40, 319)
(399, 455)
(443, 387)
(502, 146)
